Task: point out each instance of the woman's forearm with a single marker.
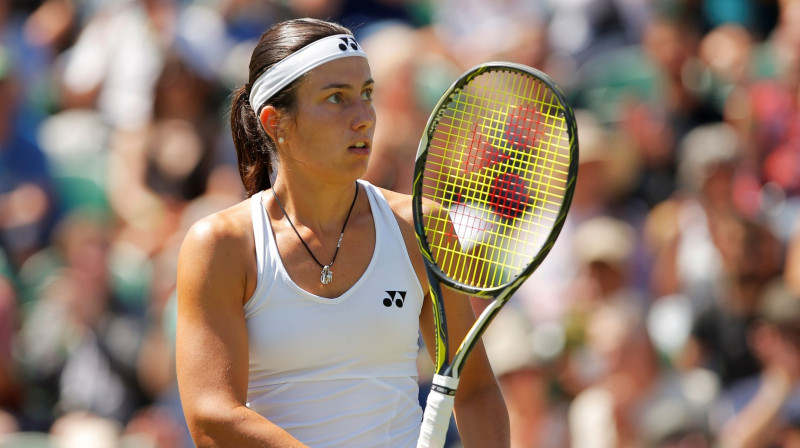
(239, 427)
(482, 419)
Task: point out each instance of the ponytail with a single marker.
(253, 146)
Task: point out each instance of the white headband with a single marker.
(300, 62)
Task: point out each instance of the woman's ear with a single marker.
(270, 119)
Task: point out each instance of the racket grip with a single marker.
(438, 410)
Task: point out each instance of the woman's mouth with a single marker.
(361, 147)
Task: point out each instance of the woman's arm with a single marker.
(480, 410)
(212, 346)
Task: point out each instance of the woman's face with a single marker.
(330, 135)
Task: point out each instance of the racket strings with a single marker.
(498, 164)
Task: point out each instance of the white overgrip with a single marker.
(438, 410)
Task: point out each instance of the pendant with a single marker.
(326, 276)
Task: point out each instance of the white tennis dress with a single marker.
(337, 372)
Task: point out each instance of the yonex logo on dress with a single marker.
(395, 298)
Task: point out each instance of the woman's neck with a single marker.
(322, 207)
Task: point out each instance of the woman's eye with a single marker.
(336, 98)
(366, 95)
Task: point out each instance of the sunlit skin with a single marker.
(319, 162)
(335, 103)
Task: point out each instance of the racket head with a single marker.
(494, 177)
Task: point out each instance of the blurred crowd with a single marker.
(666, 315)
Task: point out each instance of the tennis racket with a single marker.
(493, 181)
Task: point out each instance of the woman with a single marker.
(300, 307)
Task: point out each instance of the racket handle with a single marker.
(438, 410)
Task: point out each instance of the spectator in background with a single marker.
(727, 52)
(654, 94)
(603, 253)
(618, 368)
(596, 26)
(604, 248)
(635, 401)
(398, 59)
(79, 345)
(28, 206)
(767, 116)
(518, 353)
(750, 257)
(613, 369)
(679, 230)
(475, 31)
(117, 58)
(763, 410)
(154, 172)
(709, 262)
(75, 138)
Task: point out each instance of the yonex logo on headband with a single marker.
(348, 42)
(300, 62)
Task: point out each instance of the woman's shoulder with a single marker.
(400, 203)
(228, 226)
(213, 261)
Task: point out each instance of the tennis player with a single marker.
(300, 307)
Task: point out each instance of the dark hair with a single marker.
(254, 148)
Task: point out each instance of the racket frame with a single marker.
(436, 276)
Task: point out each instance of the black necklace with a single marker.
(326, 276)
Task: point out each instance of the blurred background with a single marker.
(667, 314)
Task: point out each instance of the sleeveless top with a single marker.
(337, 372)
